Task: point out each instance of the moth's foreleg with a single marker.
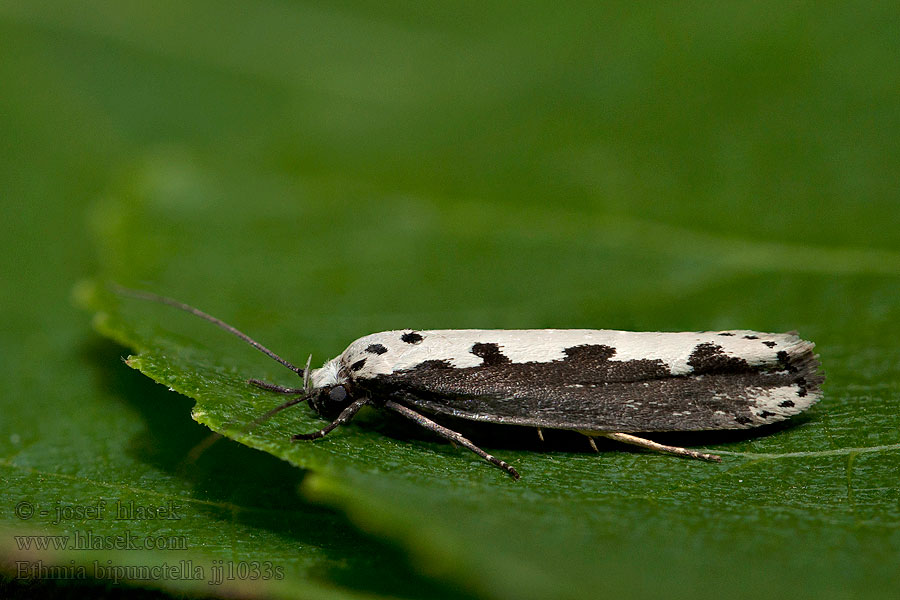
(651, 445)
(345, 416)
(274, 387)
(449, 434)
(280, 389)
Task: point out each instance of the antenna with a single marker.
(123, 291)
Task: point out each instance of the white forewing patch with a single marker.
(781, 402)
(454, 346)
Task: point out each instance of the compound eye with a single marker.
(337, 394)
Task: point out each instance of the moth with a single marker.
(595, 381)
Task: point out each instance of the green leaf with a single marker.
(576, 521)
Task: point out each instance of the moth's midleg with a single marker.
(345, 416)
(651, 445)
(449, 434)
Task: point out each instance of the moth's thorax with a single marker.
(330, 374)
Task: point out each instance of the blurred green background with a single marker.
(313, 172)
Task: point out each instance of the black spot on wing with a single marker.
(787, 404)
(726, 334)
(433, 365)
(709, 358)
(411, 337)
(590, 354)
(590, 364)
(751, 337)
(770, 344)
(358, 365)
(766, 414)
(743, 420)
(784, 359)
(491, 354)
(376, 349)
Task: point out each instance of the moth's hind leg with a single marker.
(651, 445)
(449, 434)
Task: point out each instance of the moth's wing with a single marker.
(687, 382)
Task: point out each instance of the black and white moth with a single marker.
(595, 381)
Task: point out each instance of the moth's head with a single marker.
(330, 389)
(330, 400)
